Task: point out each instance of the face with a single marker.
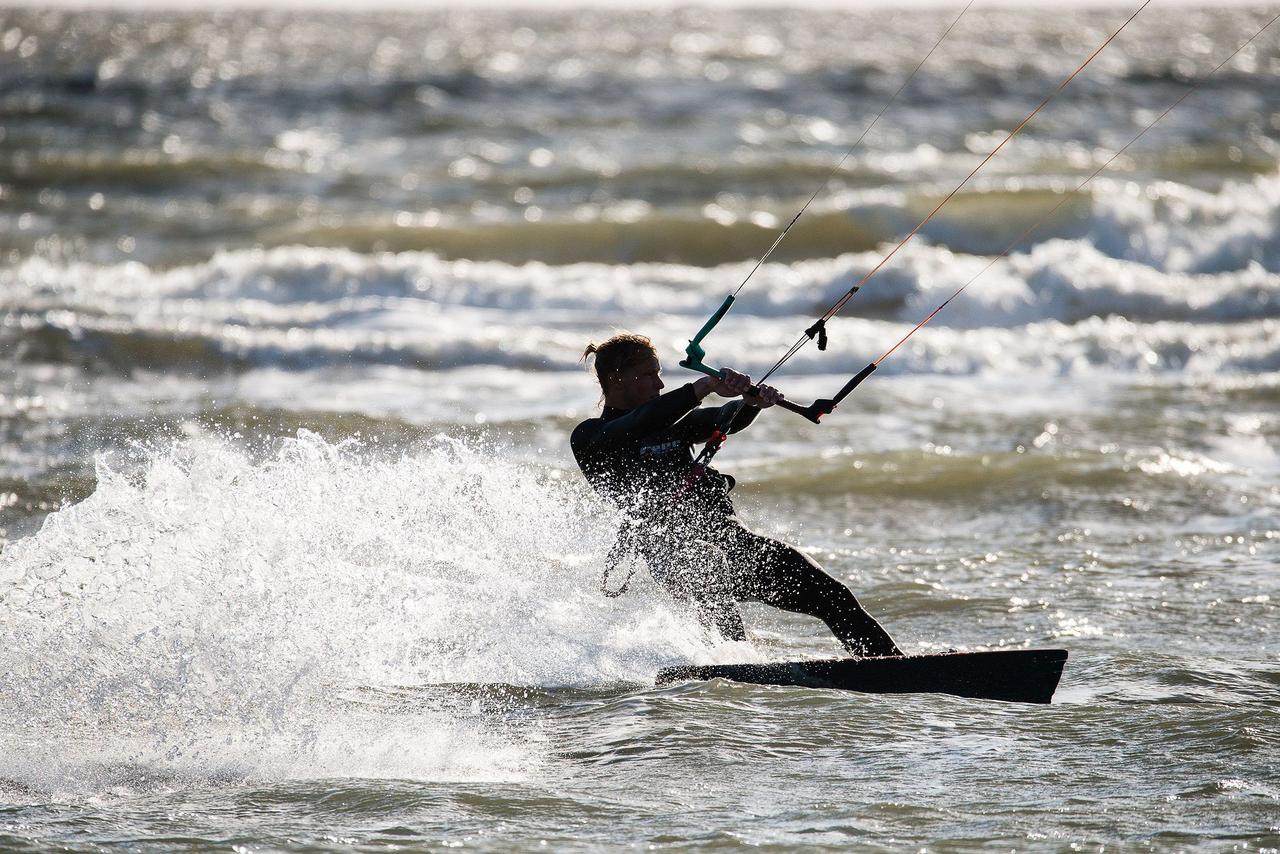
(636, 384)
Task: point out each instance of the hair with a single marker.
(618, 352)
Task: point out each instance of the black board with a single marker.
(1017, 675)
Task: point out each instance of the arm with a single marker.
(657, 414)
(745, 417)
(697, 426)
(665, 410)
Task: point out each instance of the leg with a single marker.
(693, 574)
(782, 576)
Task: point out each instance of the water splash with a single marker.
(208, 613)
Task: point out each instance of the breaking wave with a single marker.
(1169, 278)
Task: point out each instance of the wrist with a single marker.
(702, 387)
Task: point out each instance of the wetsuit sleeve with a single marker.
(697, 426)
(744, 419)
(658, 414)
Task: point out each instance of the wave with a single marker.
(616, 138)
(1018, 475)
(1048, 348)
(655, 236)
(1168, 226)
(365, 60)
(1175, 227)
(134, 168)
(1063, 307)
(1178, 252)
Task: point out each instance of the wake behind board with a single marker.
(1016, 675)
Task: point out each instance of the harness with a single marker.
(623, 547)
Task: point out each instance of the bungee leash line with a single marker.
(617, 552)
(695, 353)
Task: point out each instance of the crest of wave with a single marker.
(214, 613)
(1178, 228)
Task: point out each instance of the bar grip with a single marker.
(694, 354)
(825, 406)
(806, 411)
(853, 383)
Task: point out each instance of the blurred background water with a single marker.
(291, 308)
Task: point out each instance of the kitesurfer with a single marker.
(638, 454)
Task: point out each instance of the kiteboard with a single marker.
(1015, 675)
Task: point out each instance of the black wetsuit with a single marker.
(690, 536)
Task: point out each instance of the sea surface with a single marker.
(293, 555)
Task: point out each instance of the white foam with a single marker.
(1154, 256)
(1175, 227)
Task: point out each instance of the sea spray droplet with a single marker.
(217, 613)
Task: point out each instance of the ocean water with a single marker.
(293, 555)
